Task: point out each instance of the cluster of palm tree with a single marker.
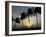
(31, 11)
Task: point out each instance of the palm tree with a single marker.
(33, 11)
(37, 10)
(17, 20)
(29, 13)
(23, 16)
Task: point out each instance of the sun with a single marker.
(26, 23)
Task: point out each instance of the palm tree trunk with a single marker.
(37, 19)
(22, 23)
(29, 21)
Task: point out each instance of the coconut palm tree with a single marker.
(17, 20)
(23, 16)
(37, 10)
(28, 14)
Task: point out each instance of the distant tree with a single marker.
(17, 20)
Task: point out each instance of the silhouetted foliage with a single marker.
(23, 16)
(29, 13)
(38, 10)
(17, 20)
(12, 18)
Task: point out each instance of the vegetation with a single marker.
(30, 12)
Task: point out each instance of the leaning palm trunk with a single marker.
(22, 23)
(37, 19)
(29, 21)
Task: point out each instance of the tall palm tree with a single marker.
(29, 13)
(37, 10)
(23, 16)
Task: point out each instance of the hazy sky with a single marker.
(16, 10)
